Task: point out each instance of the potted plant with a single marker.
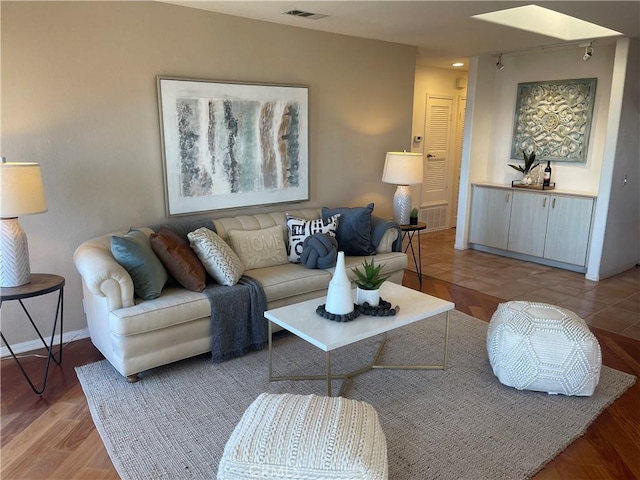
(529, 164)
(369, 281)
(413, 216)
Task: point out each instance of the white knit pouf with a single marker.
(536, 346)
(306, 437)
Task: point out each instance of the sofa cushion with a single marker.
(219, 260)
(179, 259)
(354, 229)
(299, 229)
(259, 248)
(133, 251)
(393, 262)
(175, 306)
(289, 280)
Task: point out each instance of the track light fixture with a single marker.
(588, 52)
(499, 64)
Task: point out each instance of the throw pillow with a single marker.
(319, 251)
(299, 229)
(134, 253)
(259, 248)
(218, 259)
(179, 259)
(354, 230)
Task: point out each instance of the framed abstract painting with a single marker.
(553, 119)
(228, 145)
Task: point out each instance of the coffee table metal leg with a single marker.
(446, 340)
(270, 351)
(328, 358)
(373, 365)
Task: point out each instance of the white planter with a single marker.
(372, 297)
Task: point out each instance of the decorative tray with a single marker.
(517, 184)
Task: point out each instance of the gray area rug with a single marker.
(457, 424)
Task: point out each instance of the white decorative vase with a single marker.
(372, 297)
(339, 299)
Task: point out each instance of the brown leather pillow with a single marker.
(179, 259)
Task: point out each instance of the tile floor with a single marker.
(611, 304)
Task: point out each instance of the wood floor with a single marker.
(53, 436)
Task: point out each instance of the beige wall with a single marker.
(79, 97)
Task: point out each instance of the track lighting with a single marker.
(499, 64)
(588, 52)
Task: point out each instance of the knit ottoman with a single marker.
(306, 437)
(535, 346)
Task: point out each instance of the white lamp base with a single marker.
(402, 204)
(14, 256)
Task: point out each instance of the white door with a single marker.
(437, 152)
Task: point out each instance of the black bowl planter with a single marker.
(413, 220)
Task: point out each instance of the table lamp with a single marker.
(21, 193)
(402, 169)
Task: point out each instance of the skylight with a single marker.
(543, 21)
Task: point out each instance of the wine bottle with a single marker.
(546, 180)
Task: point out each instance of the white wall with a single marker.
(621, 238)
(566, 64)
(79, 97)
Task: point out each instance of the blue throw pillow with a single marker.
(134, 253)
(354, 229)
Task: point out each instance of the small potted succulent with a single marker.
(529, 164)
(413, 216)
(369, 281)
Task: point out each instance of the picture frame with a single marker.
(228, 144)
(553, 119)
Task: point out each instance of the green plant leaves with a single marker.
(370, 279)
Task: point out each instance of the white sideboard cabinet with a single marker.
(547, 226)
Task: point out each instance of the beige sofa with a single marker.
(136, 335)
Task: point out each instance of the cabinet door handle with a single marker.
(544, 202)
(506, 197)
(553, 203)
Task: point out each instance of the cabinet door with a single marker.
(568, 229)
(490, 212)
(528, 223)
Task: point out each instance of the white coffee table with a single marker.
(302, 320)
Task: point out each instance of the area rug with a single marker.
(460, 423)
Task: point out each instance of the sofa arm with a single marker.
(102, 275)
(386, 235)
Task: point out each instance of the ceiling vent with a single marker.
(309, 15)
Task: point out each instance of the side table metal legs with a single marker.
(416, 261)
(50, 353)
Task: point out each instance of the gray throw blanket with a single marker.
(238, 325)
(378, 228)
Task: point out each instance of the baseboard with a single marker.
(31, 345)
(610, 273)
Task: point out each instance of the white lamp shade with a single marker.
(21, 190)
(402, 168)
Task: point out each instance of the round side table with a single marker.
(40, 284)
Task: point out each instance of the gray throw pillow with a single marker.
(354, 229)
